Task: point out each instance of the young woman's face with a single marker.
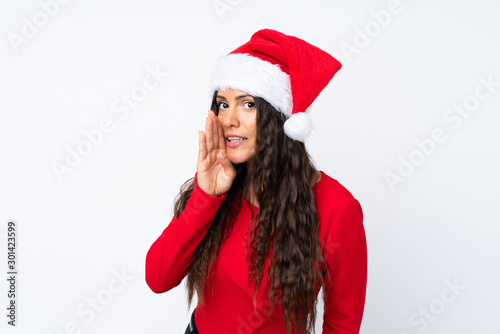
(238, 117)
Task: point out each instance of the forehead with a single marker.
(229, 92)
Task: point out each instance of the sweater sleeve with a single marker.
(345, 254)
(169, 257)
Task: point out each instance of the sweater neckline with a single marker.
(313, 188)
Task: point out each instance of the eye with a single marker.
(249, 104)
(219, 105)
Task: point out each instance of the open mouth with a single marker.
(235, 139)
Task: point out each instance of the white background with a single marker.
(437, 224)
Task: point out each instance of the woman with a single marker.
(258, 230)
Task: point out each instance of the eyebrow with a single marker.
(237, 97)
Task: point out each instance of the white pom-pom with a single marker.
(299, 126)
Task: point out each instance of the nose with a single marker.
(230, 117)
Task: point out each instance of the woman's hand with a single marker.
(215, 174)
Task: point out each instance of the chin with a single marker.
(237, 159)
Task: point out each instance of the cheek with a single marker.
(252, 126)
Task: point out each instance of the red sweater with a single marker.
(230, 309)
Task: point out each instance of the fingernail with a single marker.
(221, 156)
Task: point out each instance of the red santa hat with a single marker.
(286, 71)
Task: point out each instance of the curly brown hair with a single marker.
(282, 177)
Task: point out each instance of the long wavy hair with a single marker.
(282, 177)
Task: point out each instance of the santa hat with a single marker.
(286, 71)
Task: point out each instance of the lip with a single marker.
(233, 144)
(232, 135)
